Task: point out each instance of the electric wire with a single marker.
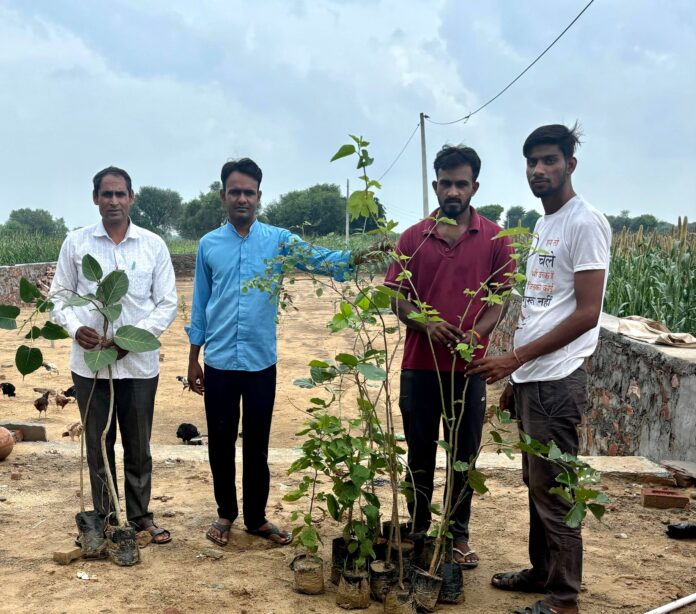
(518, 77)
(400, 153)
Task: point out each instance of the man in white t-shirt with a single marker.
(558, 329)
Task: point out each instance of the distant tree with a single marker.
(514, 217)
(530, 218)
(647, 221)
(319, 209)
(202, 214)
(492, 212)
(156, 209)
(34, 221)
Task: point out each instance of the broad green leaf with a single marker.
(332, 507)
(303, 382)
(8, 323)
(91, 268)
(597, 510)
(447, 220)
(512, 232)
(8, 317)
(371, 513)
(390, 292)
(359, 475)
(318, 401)
(554, 451)
(28, 359)
(347, 359)
(373, 183)
(112, 312)
(113, 288)
(346, 309)
(34, 333)
(563, 493)
(308, 538)
(319, 364)
(372, 372)
(344, 150)
(44, 305)
(98, 359)
(477, 481)
(53, 332)
(135, 339)
(444, 445)
(359, 140)
(576, 515)
(28, 291)
(362, 204)
(460, 466)
(75, 301)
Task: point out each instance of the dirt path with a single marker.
(37, 511)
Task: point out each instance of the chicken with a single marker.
(51, 368)
(186, 432)
(184, 381)
(51, 392)
(8, 390)
(62, 400)
(73, 430)
(41, 403)
(70, 392)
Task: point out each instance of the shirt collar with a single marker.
(132, 232)
(474, 221)
(252, 228)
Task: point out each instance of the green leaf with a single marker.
(477, 481)
(332, 507)
(445, 446)
(308, 538)
(390, 292)
(576, 515)
(111, 312)
(75, 301)
(447, 220)
(512, 232)
(8, 317)
(98, 359)
(91, 268)
(372, 372)
(362, 204)
(34, 333)
(359, 475)
(303, 382)
(371, 513)
(44, 305)
(113, 288)
(347, 359)
(53, 332)
(28, 291)
(345, 150)
(135, 339)
(563, 493)
(461, 466)
(597, 510)
(28, 359)
(319, 364)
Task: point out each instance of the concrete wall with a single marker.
(642, 397)
(41, 275)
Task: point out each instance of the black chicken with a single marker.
(70, 392)
(186, 432)
(8, 390)
(184, 381)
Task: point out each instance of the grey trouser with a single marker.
(551, 411)
(134, 403)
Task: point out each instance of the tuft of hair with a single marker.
(567, 139)
(112, 170)
(244, 165)
(452, 156)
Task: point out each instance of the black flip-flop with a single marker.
(269, 533)
(682, 530)
(223, 529)
(517, 581)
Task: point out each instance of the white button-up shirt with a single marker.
(150, 303)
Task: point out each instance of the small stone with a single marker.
(3, 499)
(629, 582)
(211, 553)
(169, 514)
(666, 520)
(143, 538)
(621, 536)
(15, 475)
(693, 495)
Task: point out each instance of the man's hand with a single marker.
(375, 251)
(493, 368)
(507, 400)
(88, 338)
(195, 377)
(444, 333)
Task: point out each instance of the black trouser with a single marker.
(551, 411)
(223, 392)
(134, 404)
(421, 404)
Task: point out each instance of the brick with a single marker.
(662, 498)
(31, 431)
(67, 555)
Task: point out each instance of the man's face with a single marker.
(455, 188)
(242, 196)
(548, 171)
(114, 200)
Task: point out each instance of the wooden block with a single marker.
(67, 555)
(662, 498)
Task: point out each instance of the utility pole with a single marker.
(424, 165)
(347, 216)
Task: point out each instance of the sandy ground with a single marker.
(629, 574)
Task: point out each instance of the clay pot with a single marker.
(309, 574)
(353, 591)
(7, 442)
(382, 577)
(426, 589)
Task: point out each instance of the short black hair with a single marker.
(566, 138)
(111, 170)
(243, 165)
(451, 156)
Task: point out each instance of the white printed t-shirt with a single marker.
(575, 238)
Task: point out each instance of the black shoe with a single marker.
(683, 530)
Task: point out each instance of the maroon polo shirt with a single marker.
(441, 274)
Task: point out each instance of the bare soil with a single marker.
(644, 569)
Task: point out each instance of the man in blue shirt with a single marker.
(237, 325)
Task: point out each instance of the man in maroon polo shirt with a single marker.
(445, 260)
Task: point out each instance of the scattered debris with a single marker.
(210, 553)
(15, 475)
(621, 536)
(662, 498)
(143, 538)
(169, 514)
(83, 575)
(163, 498)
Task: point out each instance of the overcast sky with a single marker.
(169, 90)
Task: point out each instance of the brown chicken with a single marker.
(62, 400)
(73, 430)
(41, 403)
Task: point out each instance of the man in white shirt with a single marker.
(557, 330)
(151, 303)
